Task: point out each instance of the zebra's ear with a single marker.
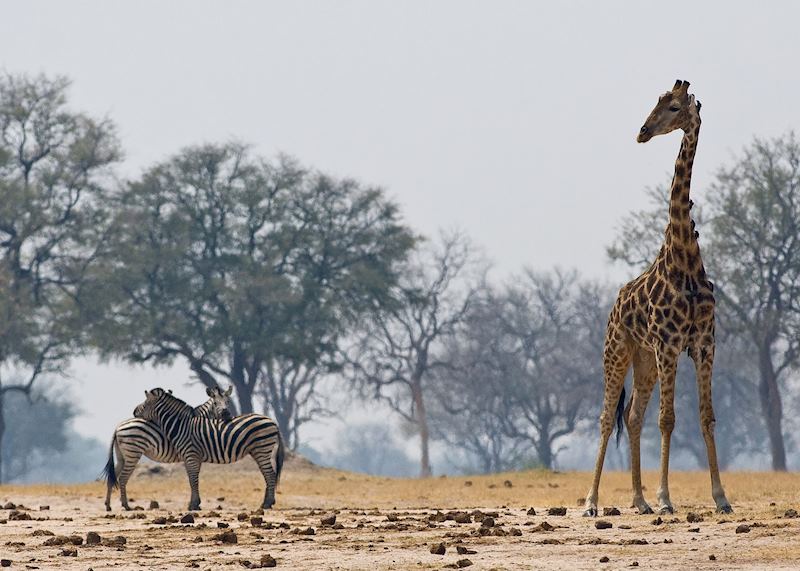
(229, 391)
(146, 393)
(210, 391)
(169, 391)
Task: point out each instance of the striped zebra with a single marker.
(199, 440)
(136, 437)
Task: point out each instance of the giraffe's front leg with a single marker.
(703, 358)
(666, 360)
(644, 380)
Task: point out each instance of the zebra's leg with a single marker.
(263, 457)
(192, 464)
(128, 460)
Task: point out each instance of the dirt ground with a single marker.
(386, 523)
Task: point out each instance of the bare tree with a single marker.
(397, 352)
(54, 166)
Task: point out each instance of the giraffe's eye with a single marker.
(674, 109)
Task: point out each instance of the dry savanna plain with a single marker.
(327, 519)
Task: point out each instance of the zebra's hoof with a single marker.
(108, 508)
(590, 512)
(725, 509)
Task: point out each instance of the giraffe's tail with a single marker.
(620, 412)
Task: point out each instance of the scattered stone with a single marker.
(657, 521)
(636, 542)
(63, 540)
(611, 511)
(257, 521)
(790, 513)
(117, 541)
(461, 550)
(507, 484)
(44, 508)
(160, 520)
(223, 525)
(18, 516)
(557, 511)
(552, 541)
(5, 562)
(221, 499)
(694, 530)
(624, 526)
(487, 522)
(153, 505)
(712, 557)
(743, 528)
(468, 483)
(635, 564)
(530, 511)
(268, 560)
(92, 538)
(692, 517)
(9, 506)
(39, 532)
(438, 549)
(69, 552)
(242, 516)
(463, 563)
(462, 517)
(604, 559)
(226, 537)
(393, 517)
(330, 520)
(188, 518)
(544, 526)
(306, 531)
(603, 524)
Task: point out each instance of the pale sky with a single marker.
(515, 121)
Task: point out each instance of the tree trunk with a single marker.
(244, 394)
(424, 433)
(544, 452)
(771, 407)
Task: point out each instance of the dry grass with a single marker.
(369, 541)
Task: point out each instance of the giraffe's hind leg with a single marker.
(616, 360)
(644, 380)
(263, 457)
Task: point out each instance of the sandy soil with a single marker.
(393, 524)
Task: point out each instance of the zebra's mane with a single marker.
(174, 402)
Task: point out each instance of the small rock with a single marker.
(438, 549)
(226, 537)
(268, 560)
(790, 513)
(743, 528)
(624, 526)
(92, 538)
(487, 522)
(69, 552)
(692, 517)
(256, 521)
(603, 524)
(657, 521)
(694, 530)
(5, 562)
(712, 557)
(463, 563)
(635, 564)
(330, 520)
(160, 520)
(188, 518)
(461, 550)
(604, 559)
(307, 531)
(544, 526)
(468, 483)
(610, 511)
(463, 517)
(223, 525)
(507, 484)
(530, 511)
(39, 532)
(153, 505)
(117, 541)
(393, 517)
(44, 508)
(18, 515)
(557, 511)
(9, 506)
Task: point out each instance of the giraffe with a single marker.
(667, 309)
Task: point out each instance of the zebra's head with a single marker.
(220, 403)
(155, 400)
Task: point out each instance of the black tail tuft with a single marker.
(279, 460)
(109, 474)
(620, 412)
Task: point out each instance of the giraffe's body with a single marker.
(666, 310)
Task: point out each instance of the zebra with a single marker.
(199, 440)
(136, 437)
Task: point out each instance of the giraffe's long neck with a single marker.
(683, 252)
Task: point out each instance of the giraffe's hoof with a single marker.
(126, 507)
(645, 510)
(725, 509)
(666, 510)
(590, 512)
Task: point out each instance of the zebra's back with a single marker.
(227, 442)
(137, 435)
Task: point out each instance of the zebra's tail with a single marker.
(109, 474)
(279, 456)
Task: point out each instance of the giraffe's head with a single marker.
(676, 109)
